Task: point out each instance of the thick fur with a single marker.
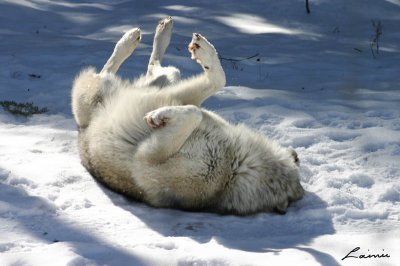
(150, 140)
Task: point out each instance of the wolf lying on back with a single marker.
(150, 140)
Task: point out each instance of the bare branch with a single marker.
(238, 60)
(308, 7)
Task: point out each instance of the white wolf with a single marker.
(150, 140)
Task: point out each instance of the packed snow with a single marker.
(326, 84)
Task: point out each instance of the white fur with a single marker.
(150, 140)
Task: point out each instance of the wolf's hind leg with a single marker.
(172, 126)
(89, 87)
(196, 90)
(123, 49)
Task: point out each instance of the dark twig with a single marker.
(308, 7)
(377, 35)
(235, 61)
(238, 60)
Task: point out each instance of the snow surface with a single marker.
(313, 85)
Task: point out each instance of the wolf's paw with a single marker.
(156, 119)
(202, 51)
(164, 27)
(128, 42)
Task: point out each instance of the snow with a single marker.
(313, 85)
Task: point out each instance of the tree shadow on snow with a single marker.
(279, 34)
(39, 219)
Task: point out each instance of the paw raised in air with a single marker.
(128, 42)
(164, 25)
(163, 32)
(202, 51)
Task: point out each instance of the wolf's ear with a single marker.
(295, 157)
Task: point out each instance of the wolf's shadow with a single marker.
(264, 232)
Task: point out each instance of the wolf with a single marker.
(150, 139)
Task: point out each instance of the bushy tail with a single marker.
(85, 95)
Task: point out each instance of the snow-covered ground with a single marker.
(313, 84)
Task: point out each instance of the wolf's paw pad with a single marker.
(155, 119)
(202, 51)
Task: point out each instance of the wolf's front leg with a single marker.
(161, 41)
(172, 126)
(205, 54)
(196, 90)
(157, 75)
(123, 49)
